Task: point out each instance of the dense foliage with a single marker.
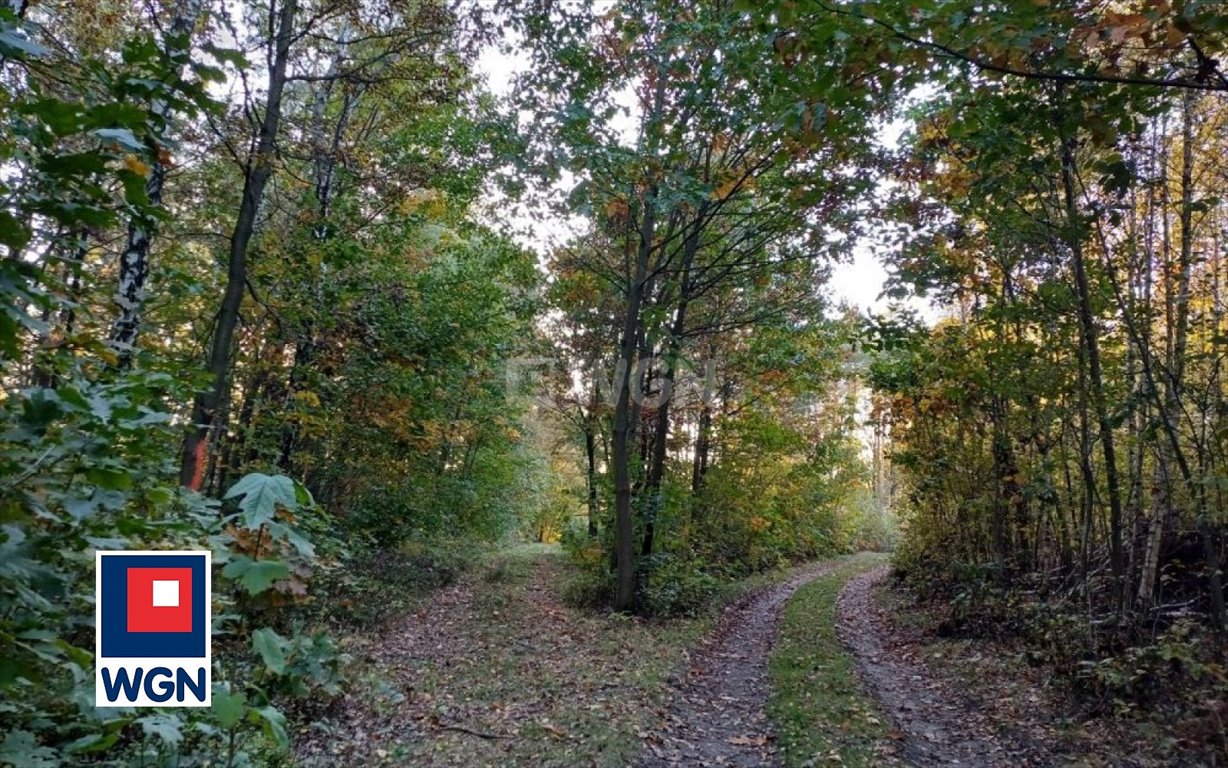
(252, 226)
(261, 294)
(694, 351)
(1059, 438)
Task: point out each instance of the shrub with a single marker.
(260, 558)
(588, 589)
(679, 587)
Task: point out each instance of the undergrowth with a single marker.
(1165, 670)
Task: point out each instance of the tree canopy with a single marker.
(263, 295)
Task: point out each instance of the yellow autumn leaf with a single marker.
(136, 165)
(418, 198)
(725, 190)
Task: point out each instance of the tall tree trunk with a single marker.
(1010, 494)
(257, 174)
(134, 261)
(1177, 301)
(590, 456)
(656, 469)
(1091, 345)
(624, 527)
(702, 439)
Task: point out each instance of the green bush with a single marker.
(679, 587)
(588, 589)
(47, 716)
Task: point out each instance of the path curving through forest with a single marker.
(717, 714)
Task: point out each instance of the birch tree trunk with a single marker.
(134, 260)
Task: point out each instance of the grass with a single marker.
(821, 712)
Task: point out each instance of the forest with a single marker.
(501, 354)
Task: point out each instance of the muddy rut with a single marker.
(717, 712)
(936, 724)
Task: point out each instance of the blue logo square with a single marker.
(116, 641)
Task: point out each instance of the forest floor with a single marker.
(976, 702)
(718, 710)
(937, 723)
(820, 665)
(497, 670)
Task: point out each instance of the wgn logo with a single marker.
(152, 640)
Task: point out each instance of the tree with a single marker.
(134, 259)
(258, 167)
(714, 192)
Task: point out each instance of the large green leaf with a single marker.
(94, 742)
(20, 750)
(272, 649)
(166, 728)
(255, 575)
(274, 723)
(228, 707)
(260, 495)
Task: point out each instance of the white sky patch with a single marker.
(859, 283)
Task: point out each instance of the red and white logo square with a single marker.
(159, 599)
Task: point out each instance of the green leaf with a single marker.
(302, 495)
(79, 656)
(12, 232)
(274, 723)
(165, 727)
(227, 55)
(298, 540)
(95, 742)
(228, 708)
(255, 575)
(272, 649)
(20, 750)
(261, 495)
(111, 479)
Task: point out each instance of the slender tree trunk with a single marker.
(702, 438)
(134, 260)
(656, 469)
(1177, 301)
(1091, 344)
(1010, 494)
(624, 530)
(258, 172)
(590, 455)
(638, 276)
